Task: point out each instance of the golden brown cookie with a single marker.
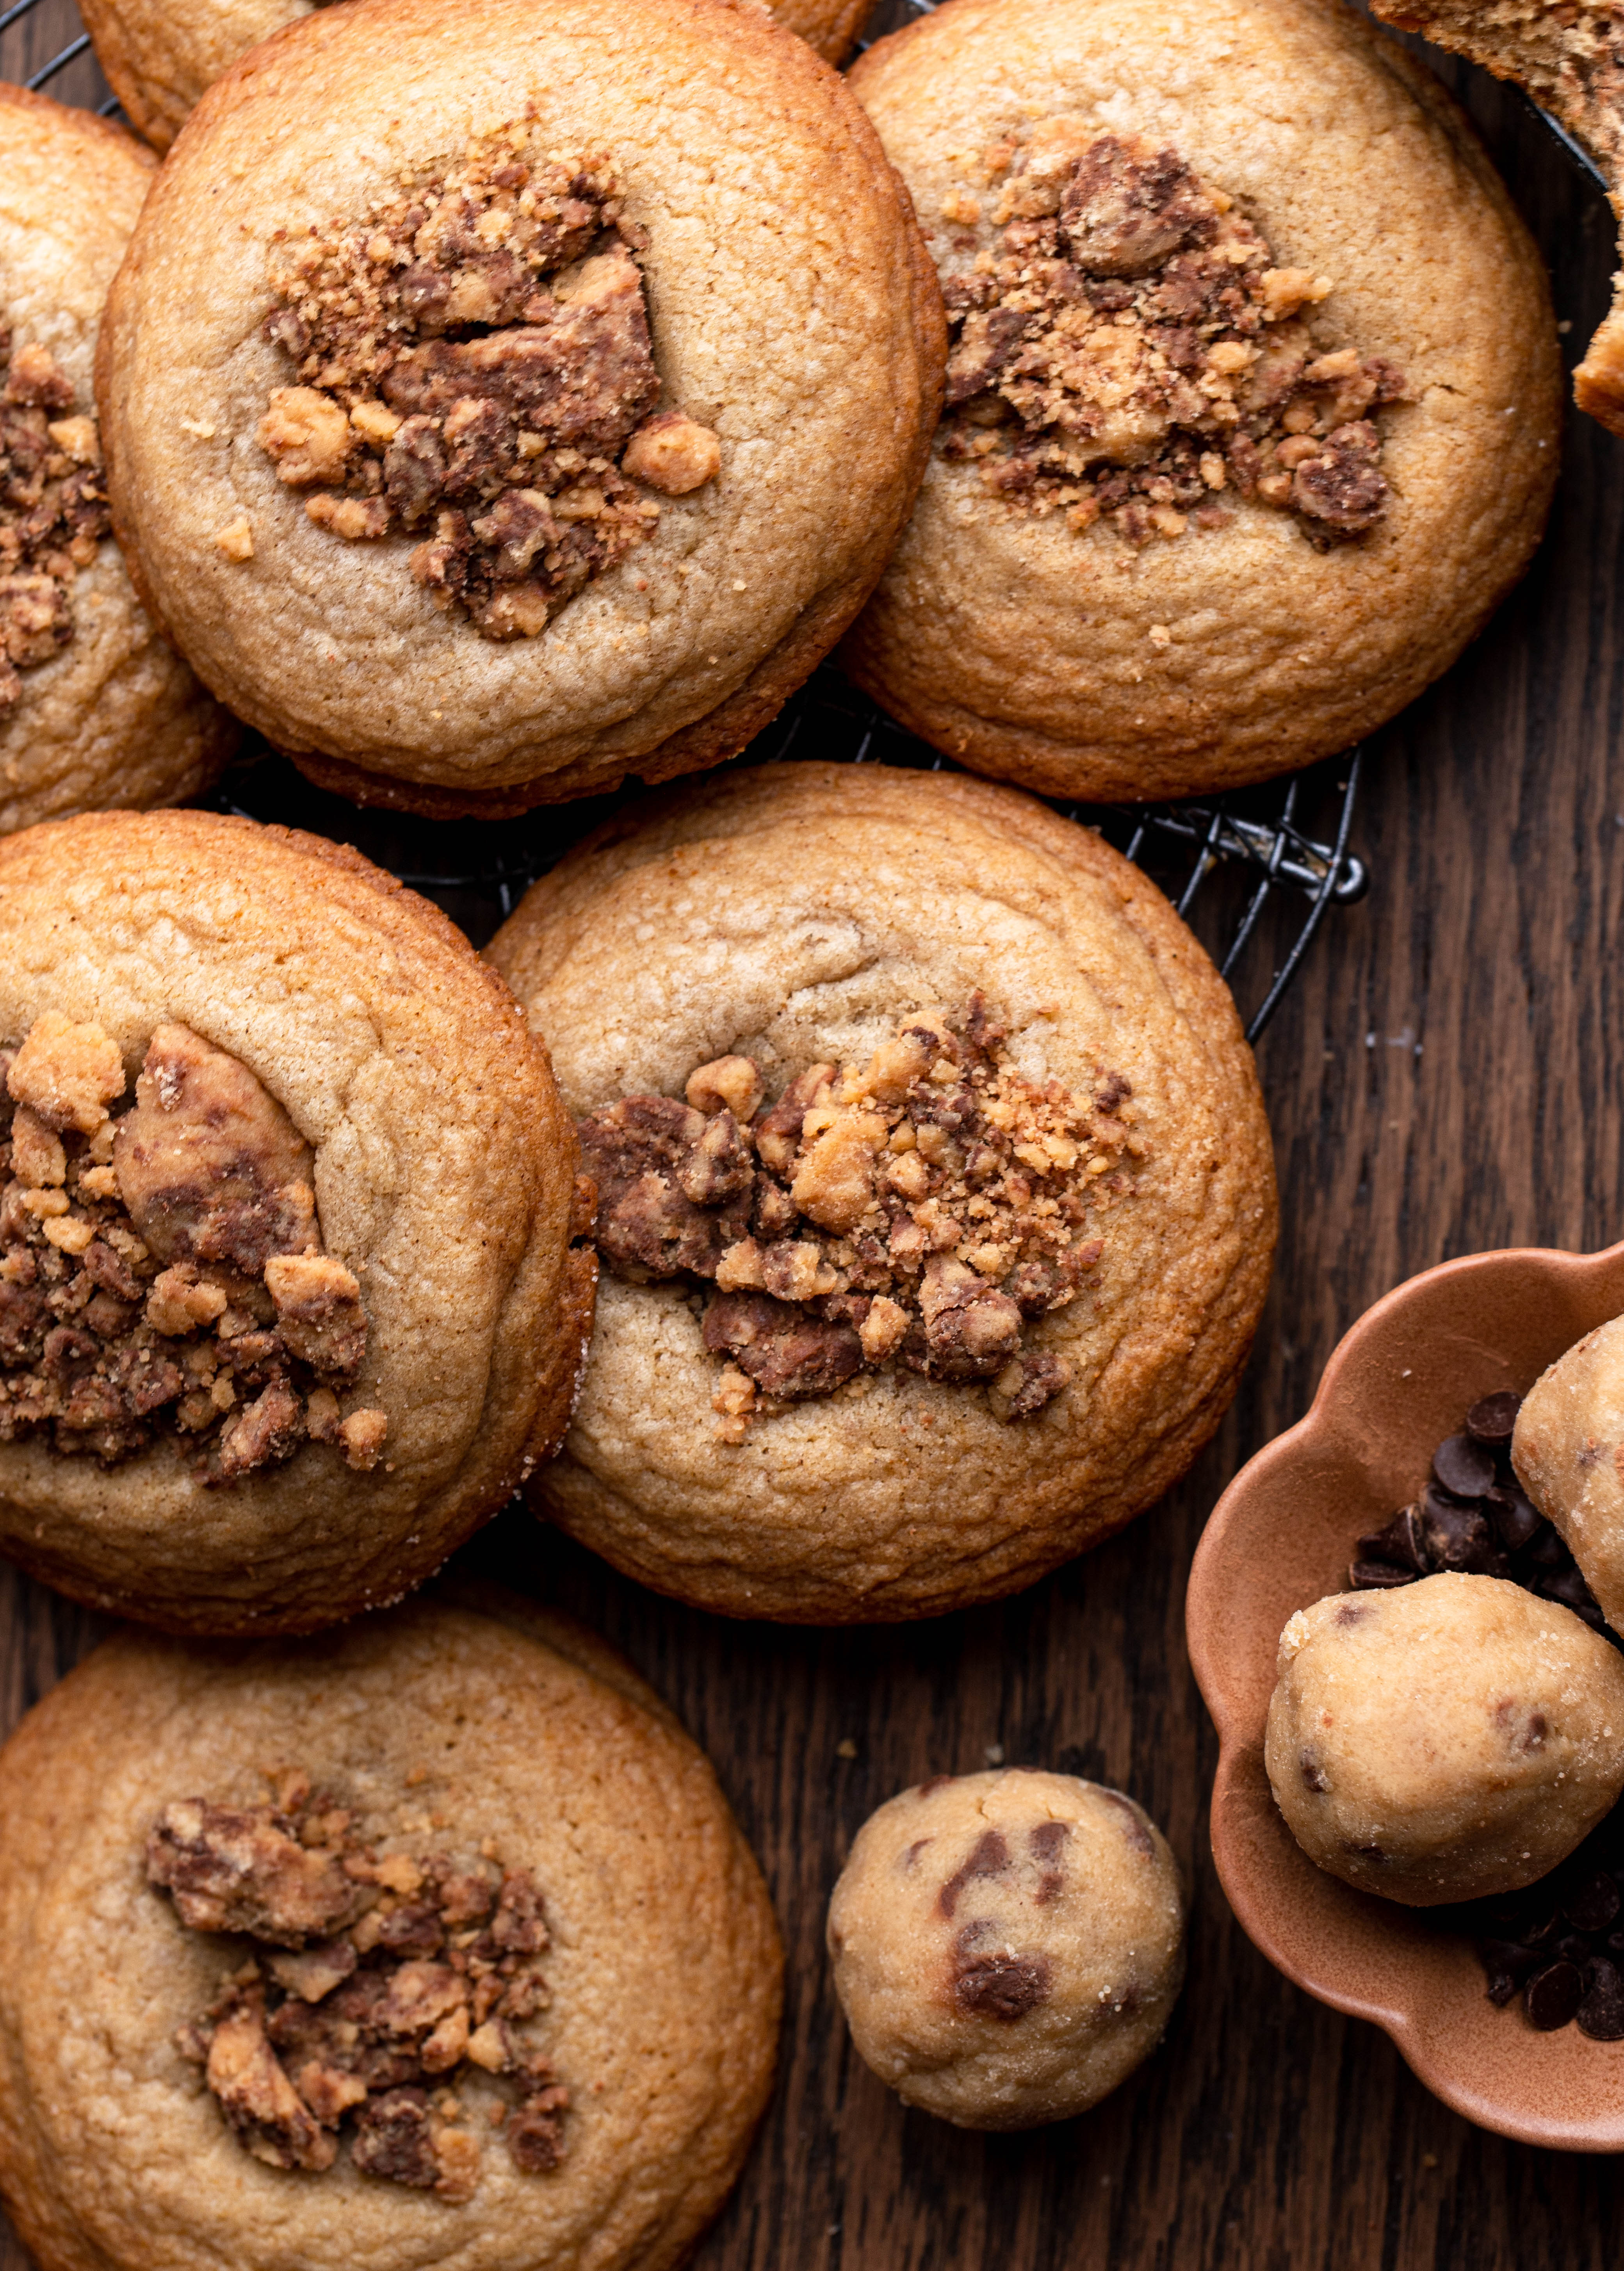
(95, 709)
(287, 1298)
(936, 1196)
(513, 1980)
(1007, 1947)
(159, 56)
(492, 417)
(1571, 59)
(1229, 472)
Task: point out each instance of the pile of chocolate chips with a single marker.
(1558, 1942)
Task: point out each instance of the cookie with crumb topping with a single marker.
(438, 1934)
(95, 708)
(159, 56)
(275, 1335)
(934, 1197)
(489, 418)
(1226, 475)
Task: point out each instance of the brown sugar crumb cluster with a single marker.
(1127, 349)
(919, 1210)
(161, 1267)
(475, 366)
(53, 509)
(377, 1987)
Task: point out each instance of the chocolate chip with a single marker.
(1464, 1467)
(1515, 1521)
(1592, 1904)
(1492, 1418)
(1401, 1543)
(1458, 1537)
(1369, 1577)
(1601, 2013)
(1553, 1995)
(1507, 1964)
(1546, 1551)
(1570, 1587)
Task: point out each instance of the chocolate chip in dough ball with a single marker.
(555, 430)
(1568, 1453)
(1444, 1739)
(1215, 491)
(96, 709)
(289, 1299)
(437, 1935)
(1007, 1946)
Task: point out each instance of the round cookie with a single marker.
(1226, 475)
(95, 709)
(1007, 1947)
(471, 1787)
(274, 1335)
(551, 400)
(159, 56)
(935, 1192)
(1445, 1740)
(1565, 1452)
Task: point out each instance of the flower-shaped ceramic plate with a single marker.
(1281, 1537)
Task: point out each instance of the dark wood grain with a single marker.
(1445, 1077)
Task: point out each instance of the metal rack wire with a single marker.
(1254, 873)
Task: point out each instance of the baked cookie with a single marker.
(491, 417)
(287, 1298)
(1571, 59)
(1568, 1452)
(438, 1934)
(1007, 1947)
(936, 1196)
(1227, 474)
(159, 55)
(95, 709)
(1446, 1739)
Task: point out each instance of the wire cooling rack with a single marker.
(1254, 873)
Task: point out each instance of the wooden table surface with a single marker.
(1445, 1077)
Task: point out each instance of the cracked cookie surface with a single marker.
(1049, 1336)
(427, 1933)
(273, 1340)
(1227, 475)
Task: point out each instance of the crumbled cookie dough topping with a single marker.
(161, 1269)
(475, 368)
(377, 1988)
(1124, 346)
(53, 509)
(919, 1210)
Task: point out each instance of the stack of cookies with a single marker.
(839, 1194)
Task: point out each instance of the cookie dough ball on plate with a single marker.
(96, 710)
(159, 56)
(287, 1296)
(936, 1196)
(1008, 1947)
(492, 417)
(1227, 474)
(438, 1934)
(1566, 1450)
(1445, 1740)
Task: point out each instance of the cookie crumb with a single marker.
(235, 540)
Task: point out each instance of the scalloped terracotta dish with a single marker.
(1282, 1535)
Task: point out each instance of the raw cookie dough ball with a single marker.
(159, 56)
(96, 710)
(935, 1195)
(1445, 1740)
(1008, 1947)
(614, 528)
(1227, 474)
(288, 1298)
(518, 1985)
(1568, 1453)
